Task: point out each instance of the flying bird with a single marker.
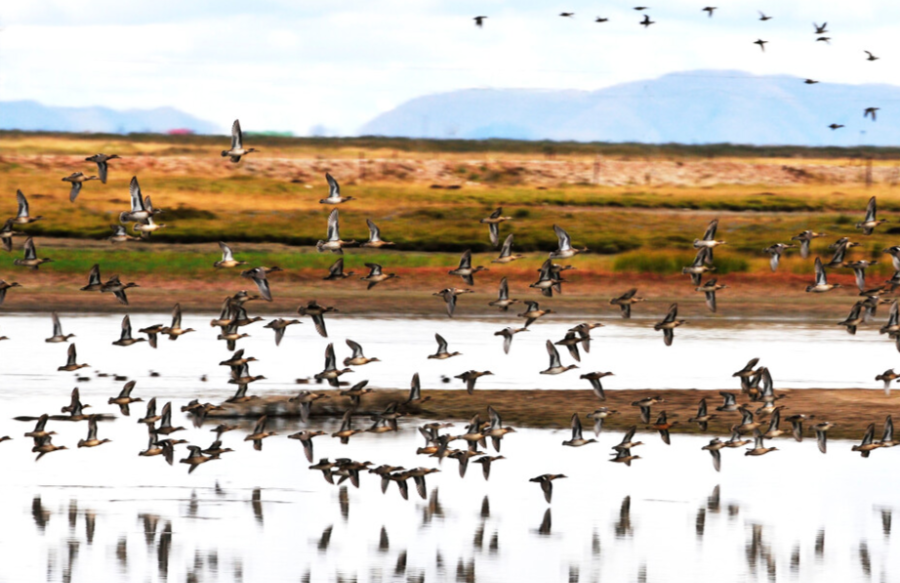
(836, 126)
(871, 57)
(870, 111)
(647, 22)
(237, 147)
(821, 29)
(709, 10)
(479, 21)
(763, 17)
(761, 43)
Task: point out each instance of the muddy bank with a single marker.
(851, 410)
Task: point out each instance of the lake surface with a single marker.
(105, 514)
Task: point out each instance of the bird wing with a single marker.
(870, 210)
(374, 232)
(820, 273)
(565, 243)
(137, 202)
(330, 360)
(227, 253)
(356, 348)
(237, 136)
(506, 249)
(554, 355)
(30, 252)
(710, 233)
(23, 204)
(442, 344)
(334, 189)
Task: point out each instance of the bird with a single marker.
(835, 126)
(702, 418)
(625, 301)
(503, 301)
(556, 366)
(228, 259)
(870, 222)
(317, 313)
(709, 10)
(601, 19)
(759, 447)
(375, 240)
(124, 398)
(259, 433)
(646, 22)
(22, 216)
(479, 21)
(101, 160)
(699, 266)
(331, 373)
(506, 254)
(334, 242)
(141, 208)
(775, 251)
(71, 362)
(805, 239)
(668, 324)
(571, 341)
(279, 325)
(346, 430)
(113, 285)
(336, 271)
(92, 440)
(258, 275)
(449, 295)
(30, 258)
(868, 443)
(508, 334)
(306, 439)
(165, 421)
(714, 447)
(237, 148)
(125, 338)
(763, 17)
(334, 192)
(493, 223)
(175, 330)
(58, 335)
(870, 111)
(470, 376)
(709, 289)
(376, 275)
(358, 358)
(567, 14)
(547, 280)
(821, 29)
(871, 57)
(825, 39)
(709, 240)
(887, 376)
(564, 248)
(196, 457)
(77, 179)
(596, 385)
(821, 430)
(533, 312)
(442, 352)
(762, 44)
(577, 438)
(120, 235)
(546, 482)
(810, 82)
(465, 269)
(663, 425)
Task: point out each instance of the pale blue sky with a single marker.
(289, 65)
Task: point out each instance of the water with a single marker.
(106, 514)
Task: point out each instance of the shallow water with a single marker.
(106, 514)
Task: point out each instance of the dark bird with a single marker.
(479, 21)
(871, 57)
(101, 161)
(825, 39)
(821, 29)
(647, 22)
(567, 14)
(761, 43)
(709, 10)
(601, 19)
(836, 126)
(810, 82)
(763, 17)
(870, 111)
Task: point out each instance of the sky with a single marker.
(296, 65)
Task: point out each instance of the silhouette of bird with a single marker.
(709, 10)
(763, 17)
(761, 43)
(646, 22)
(870, 111)
(871, 57)
(479, 21)
(836, 126)
(821, 29)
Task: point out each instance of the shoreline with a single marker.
(851, 410)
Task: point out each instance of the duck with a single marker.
(493, 223)
(859, 271)
(887, 376)
(775, 251)
(821, 285)
(376, 275)
(175, 330)
(709, 239)
(571, 342)
(736, 441)
(628, 442)
(165, 424)
(663, 425)
(645, 404)
(577, 438)
(44, 445)
(31, 259)
(356, 392)
(336, 271)
(358, 358)
(334, 192)
(259, 433)
(164, 448)
(508, 334)
(331, 373)
(700, 266)
(101, 160)
(415, 392)
(125, 338)
(495, 429)
(22, 216)
(120, 235)
(564, 249)
(215, 449)
(854, 319)
(709, 289)
(821, 430)
(71, 364)
(805, 239)
(442, 352)
(258, 275)
(317, 313)
(346, 430)
(305, 399)
(153, 333)
(124, 399)
(7, 233)
(533, 312)
(141, 208)
(841, 247)
(238, 359)
(95, 283)
(470, 376)
(147, 227)
(486, 461)
(887, 439)
(773, 430)
(228, 259)
(306, 439)
(868, 444)
(40, 428)
(623, 456)
(503, 301)
(714, 447)
(241, 376)
(703, 417)
(58, 335)
(668, 324)
(375, 241)
(237, 145)
(465, 269)
(584, 330)
(92, 440)
(196, 457)
(449, 295)
(625, 301)
(598, 415)
(325, 466)
(333, 242)
(547, 280)
(279, 325)
(556, 366)
(506, 254)
(758, 446)
(546, 482)
(77, 179)
(117, 288)
(150, 417)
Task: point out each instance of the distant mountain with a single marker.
(694, 107)
(33, 116)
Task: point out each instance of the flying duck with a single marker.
(102, 167)
(333, 242)
(124, 399)
(376, 275)
(23, 217)
(556, 366)
(577, 437)
(442, 353)
(58, 335)
(493, 223)
(870, 222)
(470, 377)
(822, 284)
(71, 365)
(280, 325)
(668, 324)
(237, 147)
(465, 269)
(503, 302)
(546, 482)
(506, 254)
(334, 192)
(625, 301)
(449, 296)
(31, 259)
(77, 179)
(564, 249)
(331, 373)
(317, 313)
(375, 236)
(596, 386)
